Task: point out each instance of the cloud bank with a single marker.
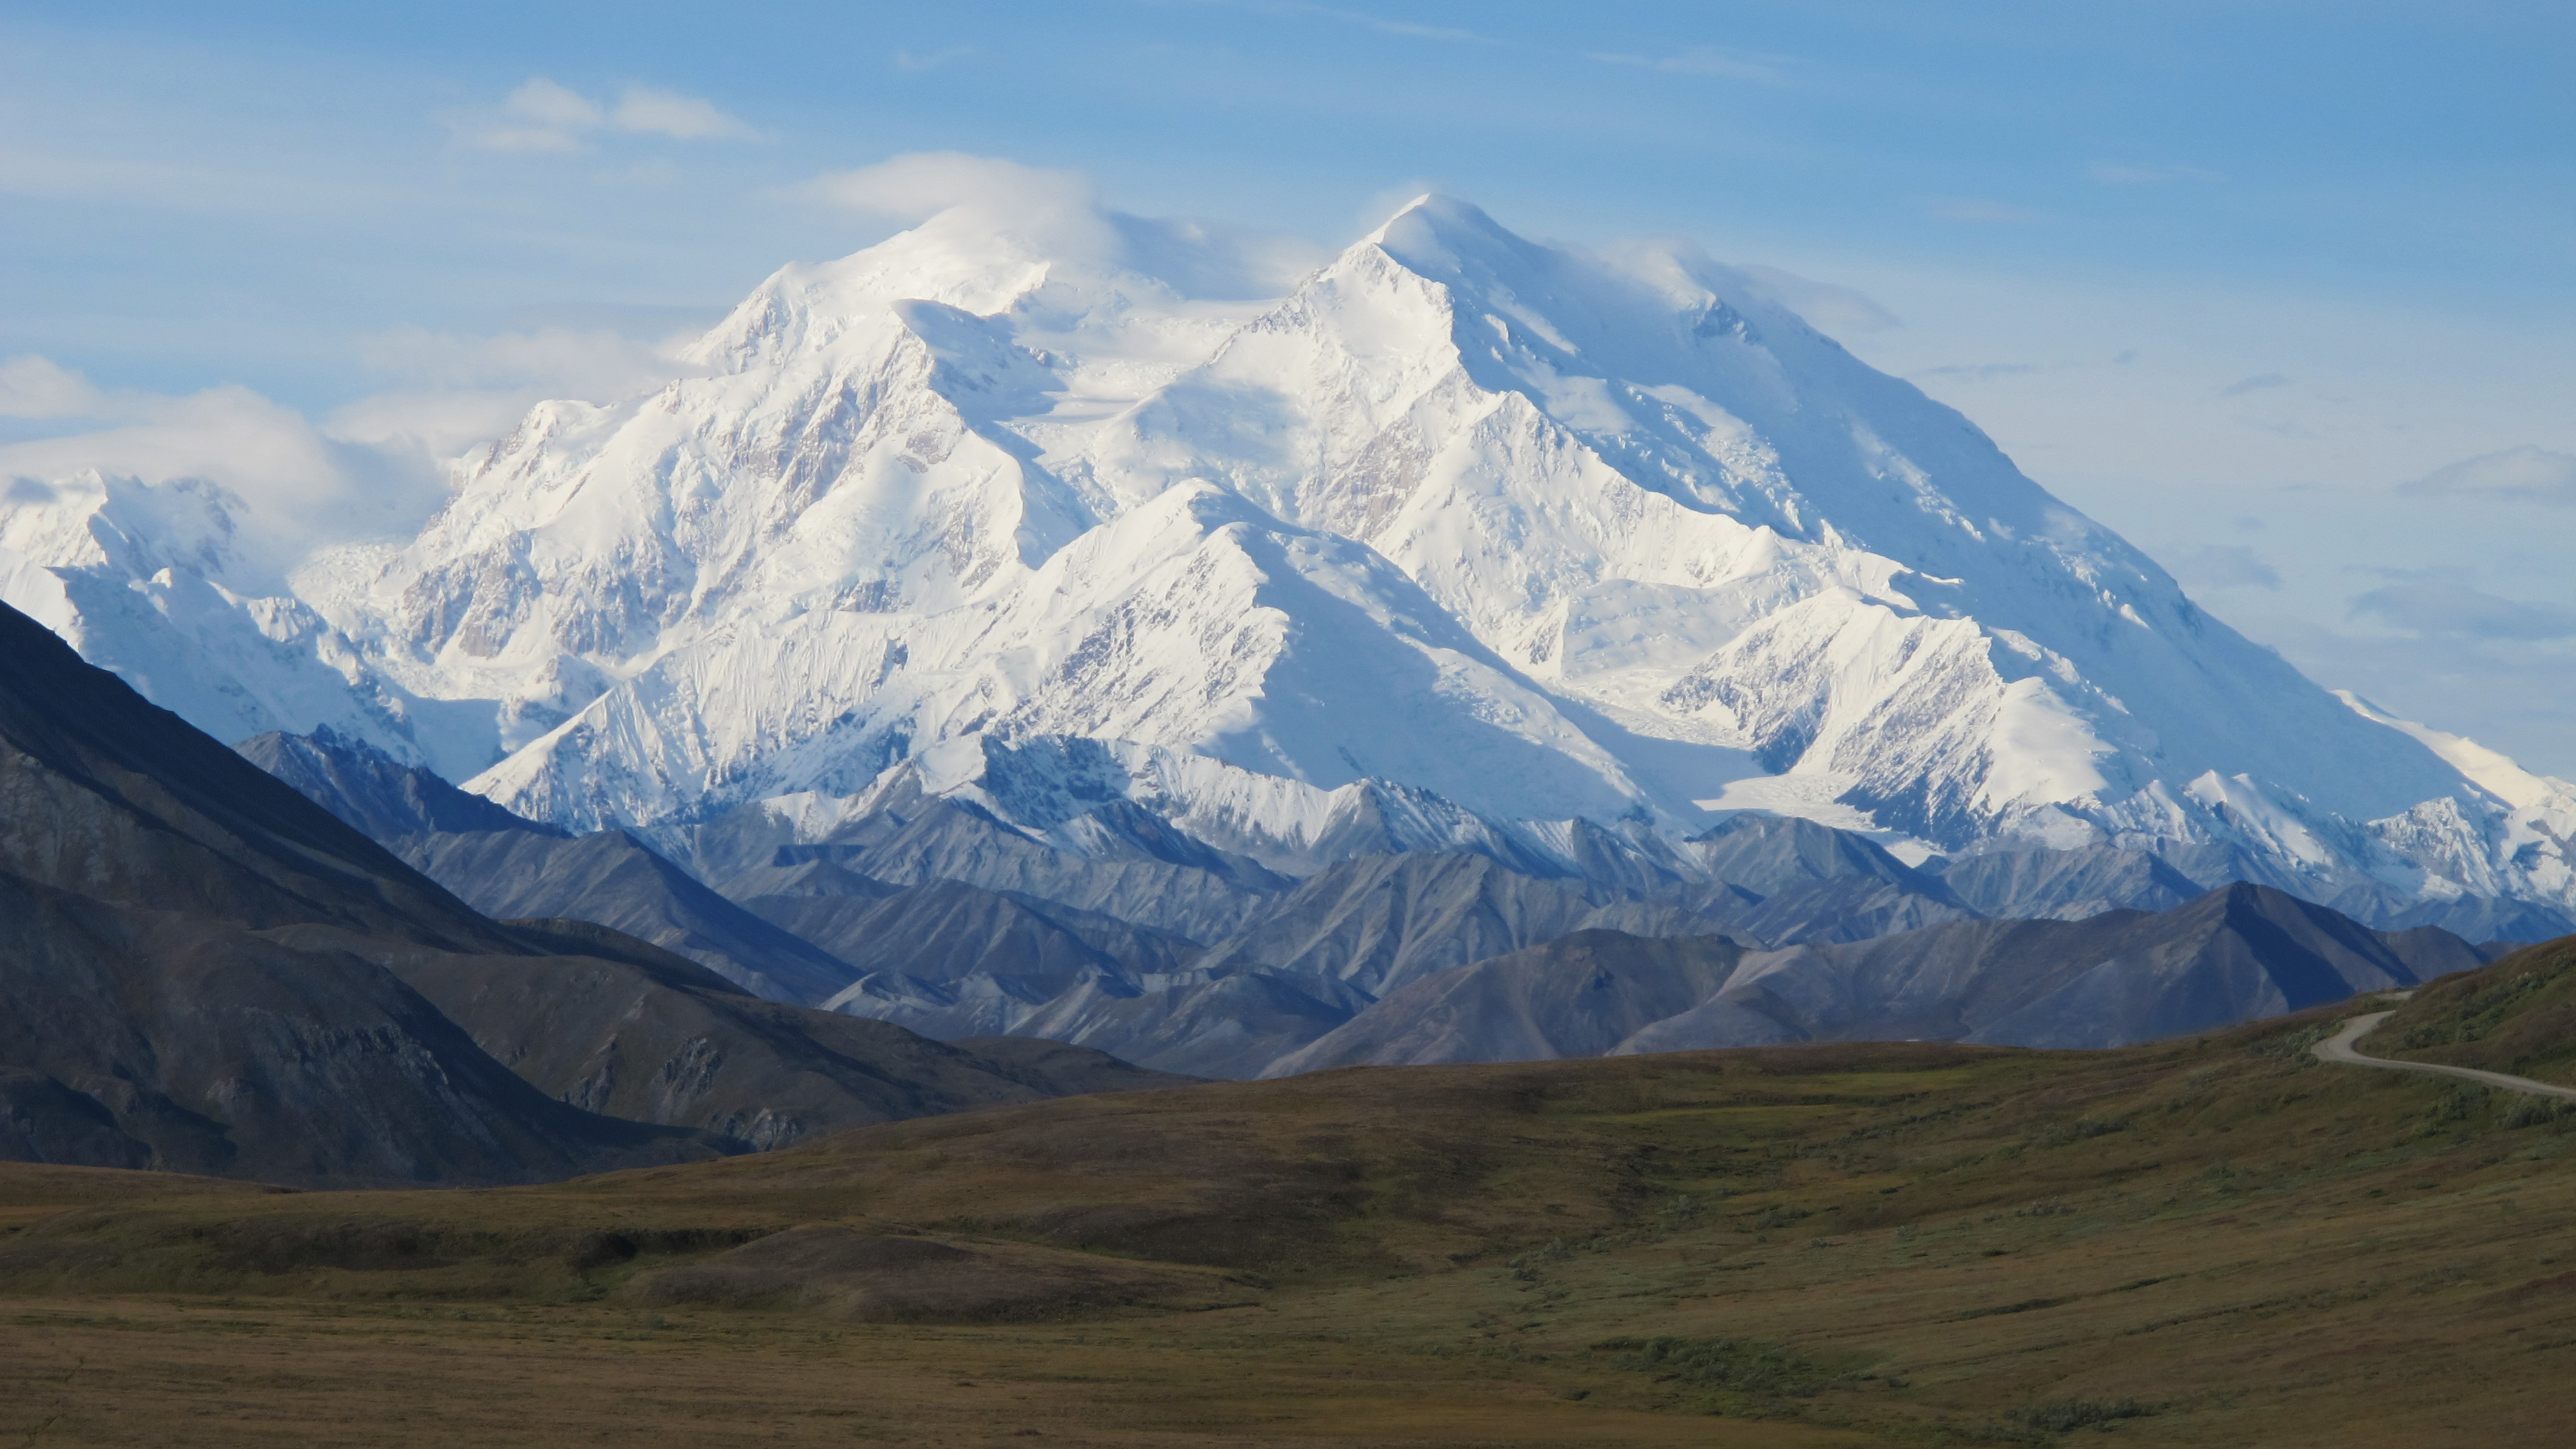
(978, 203)
(2526, 474)
(2441, 607)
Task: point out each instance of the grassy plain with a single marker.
(2208, 1243)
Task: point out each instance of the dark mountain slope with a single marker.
(252, 1018)
(2121, 976)
(508, 867)
(105, 795)
(1768, 854)
(1576, 996)
(1782, 881)
(2113, 978)
(915, 838)
(1365, 927)
(948, 930)
(613, 879)
(1230, 1026)
(137, 1038)
(383, 799)
(949, 959)
(2066, 884)
(619, 1026)
(1068, 1070)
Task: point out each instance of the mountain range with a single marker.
(1040, 635)
(1508, 538)
(930, 912)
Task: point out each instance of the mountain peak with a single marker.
(1548, 533)
(1448, 239)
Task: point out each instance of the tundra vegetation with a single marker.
(2214, 1240)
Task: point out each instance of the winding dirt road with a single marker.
(2339, 1048)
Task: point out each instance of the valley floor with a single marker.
(2207, 1243)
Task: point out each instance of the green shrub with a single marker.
(1734, 1365)
(2462, 1103)
(2537, 1111)
(2060, 1416)
(2082, 1129)
(2294, 1045)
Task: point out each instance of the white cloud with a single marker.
(980, 202)
(683, 118)
(304, 489)
(375, 468)
(39, 387)
(548, 104)
(925, 184)
(1003, 211)
(2526, 474)
(542, 117)
(463, 391)
(527, 140)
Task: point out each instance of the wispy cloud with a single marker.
(2118, 173)
(1973, 212)
(1705, 60)
(39, 387)
(1828, 305)
(1980, 371)
(452, 391)
(1366, 20)
(2526, 474)
(2260, 382)
(2437, 606)
(2222, 566)
(682, 118)
(926, 184)
(542, 117)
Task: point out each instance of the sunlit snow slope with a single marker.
(1546, 534)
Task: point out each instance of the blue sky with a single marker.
(2236, 278)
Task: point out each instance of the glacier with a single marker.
(1553, 555)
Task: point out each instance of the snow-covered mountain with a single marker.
(1516, 533)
